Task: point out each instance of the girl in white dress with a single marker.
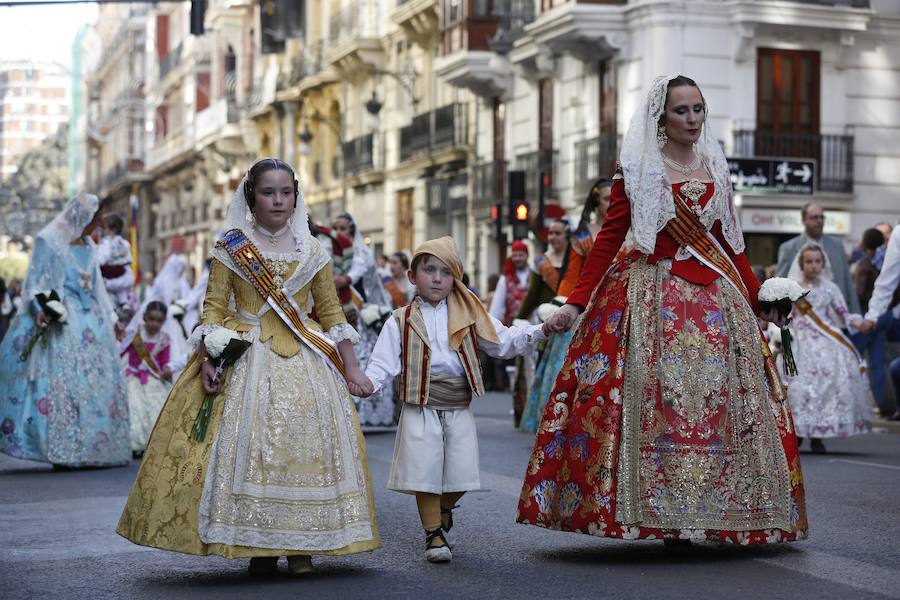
(830, 394)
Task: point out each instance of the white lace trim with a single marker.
(650, 192)
(281, 255)
(341, 332)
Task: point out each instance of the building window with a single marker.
(787, 95)
(787, 103)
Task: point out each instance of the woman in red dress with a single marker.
(668, 420)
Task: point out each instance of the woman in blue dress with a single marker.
(66, 402)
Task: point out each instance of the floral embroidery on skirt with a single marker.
(662, 423)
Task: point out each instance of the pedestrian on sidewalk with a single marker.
(280, 469)
(668, 420)
(432, 345)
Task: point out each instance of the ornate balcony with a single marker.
(588, 31)
(467, 60)
(833, 153)
(363, 160)
(436, 130)
(418, 19)
(356, 44)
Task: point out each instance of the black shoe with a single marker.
(894, 417)
(263, 565)
(673, 543)
(817, 446)
(799, 442)
(447, 524)
(137, 454)
(437, 550)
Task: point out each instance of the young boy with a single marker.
(115, 261)
(433, 344)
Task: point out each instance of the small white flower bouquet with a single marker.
(375, 315)
(780, 293)
(224, 347)
(546, 310)
(56, 312)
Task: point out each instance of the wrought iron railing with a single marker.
(594, 159)
(358, 155)
(490, 183)
(833, 153)
(441, 128)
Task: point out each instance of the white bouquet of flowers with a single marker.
(780, 293)
(55, 311)
(224, 347)
(546, 310)
(375, 315)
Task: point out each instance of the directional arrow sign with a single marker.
(773, 175)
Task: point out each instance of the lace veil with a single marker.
(649, 190)
(51, 247)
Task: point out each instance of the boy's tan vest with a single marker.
(415, 357)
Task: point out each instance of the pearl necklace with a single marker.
(681, 168)
(274, 236)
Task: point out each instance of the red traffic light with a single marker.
(521, 211)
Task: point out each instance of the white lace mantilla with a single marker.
(648, 188)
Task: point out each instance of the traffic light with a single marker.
(519, 209)
(198, 10)
(497, 218)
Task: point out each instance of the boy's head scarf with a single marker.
(464, 309)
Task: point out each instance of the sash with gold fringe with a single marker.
(834, 335)
(246, 256)
(141, 348)
(690, 233)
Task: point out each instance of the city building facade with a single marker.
(34, 104)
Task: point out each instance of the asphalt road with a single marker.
(57, 540)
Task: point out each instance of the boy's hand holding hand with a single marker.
(358, 384)
(562, 319)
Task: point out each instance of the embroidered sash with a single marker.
(547, 271)
(582, 241)
(834, 335)
(141, 349)
(690, 233)
(246, 256)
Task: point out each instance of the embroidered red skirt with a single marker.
(662, 422)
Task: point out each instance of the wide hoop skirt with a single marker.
(664, 421)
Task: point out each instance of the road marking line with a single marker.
(868, 464)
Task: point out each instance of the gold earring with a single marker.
(661, 137)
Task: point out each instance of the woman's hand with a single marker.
(42, 320)
(207, 373)
(773, 317)
(166, 374)
(341, 281)
(358, 384)
(562, 319)
(120, 331)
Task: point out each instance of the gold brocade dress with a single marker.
(282, 469)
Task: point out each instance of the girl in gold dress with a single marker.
(282, 468)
